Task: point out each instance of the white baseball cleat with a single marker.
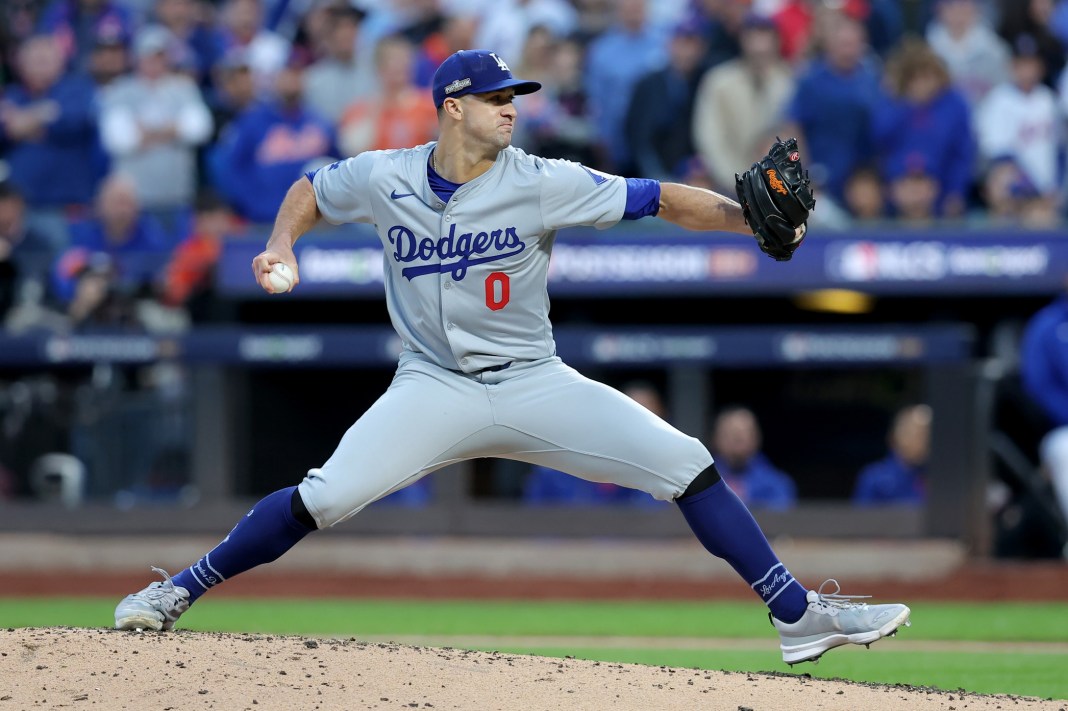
(157, 607)
(832, 620)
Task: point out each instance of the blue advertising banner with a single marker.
(634, 262)
(379, 346)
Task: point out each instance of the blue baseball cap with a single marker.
(476, 71)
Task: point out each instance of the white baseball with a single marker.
(281, 277)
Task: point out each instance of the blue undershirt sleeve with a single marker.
(643, 198)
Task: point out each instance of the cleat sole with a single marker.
(138, 623)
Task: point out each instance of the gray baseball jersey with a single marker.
(465, 281)
(466, 291)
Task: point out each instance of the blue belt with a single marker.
(493, 368)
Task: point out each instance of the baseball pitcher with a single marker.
(467, 226)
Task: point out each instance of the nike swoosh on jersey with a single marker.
(397, 196)
(597, 177)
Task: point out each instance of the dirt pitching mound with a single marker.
(103, 669)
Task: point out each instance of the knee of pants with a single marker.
(685, 464)
(328, 502)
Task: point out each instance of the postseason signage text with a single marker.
(627, 262)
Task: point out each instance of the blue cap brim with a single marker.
(521, 87)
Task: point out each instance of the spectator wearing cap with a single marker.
(109, 58)
(151, 124)
(976, 57)
(398, 114)
(335, 81)
(1010, 197)
(740, 103)
(1020, 119)
(912, 189)
(660, 115)
(48, 133)
(1031, 19)
(243, 28)
(924, 126)
(77, 23)
(201, 42)
(832, 107)
(119, 234)
(614, 63)
(254, 162)
(232, 92)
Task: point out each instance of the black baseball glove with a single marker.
(776, 199)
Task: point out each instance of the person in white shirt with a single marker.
(151, 123)
(977, 58)
(1020, 120)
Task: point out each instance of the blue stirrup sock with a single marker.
(727, 530)
(264, 534)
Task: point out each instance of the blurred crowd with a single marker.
(156, 127)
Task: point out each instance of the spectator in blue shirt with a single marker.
(658, 120)
(735, 445)
(268, 146)
(131, 244)
(900, 476)
(615, 62)
(1044, 367)
(925, 122)
(48, 135)
(832, 109)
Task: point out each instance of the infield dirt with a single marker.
(102, 669)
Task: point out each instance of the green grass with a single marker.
(1027, 674)
(987, 672)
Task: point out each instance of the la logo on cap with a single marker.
(500, 62)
